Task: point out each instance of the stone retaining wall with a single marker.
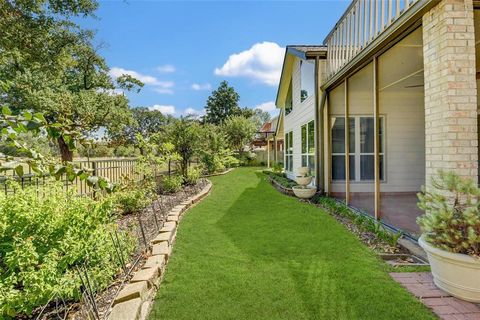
(134, 301)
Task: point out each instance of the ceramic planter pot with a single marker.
(455, 273)
(304, 193)
(303, 181)
(303, 171)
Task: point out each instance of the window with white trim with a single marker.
(361, 148)
(289, 151)
(308, 145)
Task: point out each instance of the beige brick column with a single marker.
(450, 89)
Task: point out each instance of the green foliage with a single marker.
(259, 117)
(240, 131)
(48, 64)
(171, 184)
(185, 135)
(134, 196)
(214, 154)
(281, 179)
(193, 175)
(364, 222)
(126, 151)
(452, 217)
(44, 236)
(96, 150)
(277, 167)
(222, 104)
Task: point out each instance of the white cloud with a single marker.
(193, 112)
(267, 106)
(164, 87)
(165, 109)
(262, 62)
(167, 68)
(200, 86)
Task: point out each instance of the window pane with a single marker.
(311, 164)
(351, 133)
(304, 161)
(311, 137)
(338, 167)
(352, 168)
(366, 135)
(338, 135)
(381, 135)
(366, 167)
(307, 83)
(304, 139)
(291, 163)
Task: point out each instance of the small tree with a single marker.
(239, 131)
(221, 104)
(184, 134)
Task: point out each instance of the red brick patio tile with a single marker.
(445, 306)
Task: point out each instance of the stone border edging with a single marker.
(218, 174)
(134, 301)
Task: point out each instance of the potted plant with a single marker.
(451, 234)
(303, 179)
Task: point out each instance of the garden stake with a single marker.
(91, 293)
(120, 260)
(120, 248)
(155, 216)
(143, 231)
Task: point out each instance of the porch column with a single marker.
(347, 146)
(451, 141)
(268, 153)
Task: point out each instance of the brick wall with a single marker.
(450, 89)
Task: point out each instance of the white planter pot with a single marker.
(304, 193)
(303, 181)
(455, 273)
(302, 171)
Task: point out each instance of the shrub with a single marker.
(452, 217)
(44, 237)
(171, 184)
(281, 179)
(131, 201)
(193, 174)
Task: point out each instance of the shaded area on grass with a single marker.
(248, 252)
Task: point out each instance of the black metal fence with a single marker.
(114, 169)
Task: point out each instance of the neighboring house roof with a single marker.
(295, 51)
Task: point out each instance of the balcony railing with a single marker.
(363, 22)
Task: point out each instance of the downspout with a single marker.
(319, 144)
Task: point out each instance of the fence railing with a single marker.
(363, 22)
(115, 170)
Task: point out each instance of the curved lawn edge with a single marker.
(249, 252)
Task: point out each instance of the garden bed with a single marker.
(145, 227)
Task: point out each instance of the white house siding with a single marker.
(302, 113)
(403, 112)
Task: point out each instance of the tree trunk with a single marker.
(65, 152)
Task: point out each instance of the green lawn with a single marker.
(249, 252)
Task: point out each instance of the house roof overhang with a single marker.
(303, 52)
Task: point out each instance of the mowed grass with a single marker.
(249, 252)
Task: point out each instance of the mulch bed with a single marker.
(159, 210)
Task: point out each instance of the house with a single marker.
(268, 142)
(387, 100)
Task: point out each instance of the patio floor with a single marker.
(397, 209)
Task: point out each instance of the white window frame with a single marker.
(307, 125)
(357, 154)
(289, 151)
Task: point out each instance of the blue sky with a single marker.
(182, 50)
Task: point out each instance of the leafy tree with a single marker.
(144, 122)
(259, 117)
(240, 132)
(221, 104)
(184, 133)
(49, 65)
(215, 154)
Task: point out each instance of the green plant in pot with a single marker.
(451, 234)
(303, 179)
